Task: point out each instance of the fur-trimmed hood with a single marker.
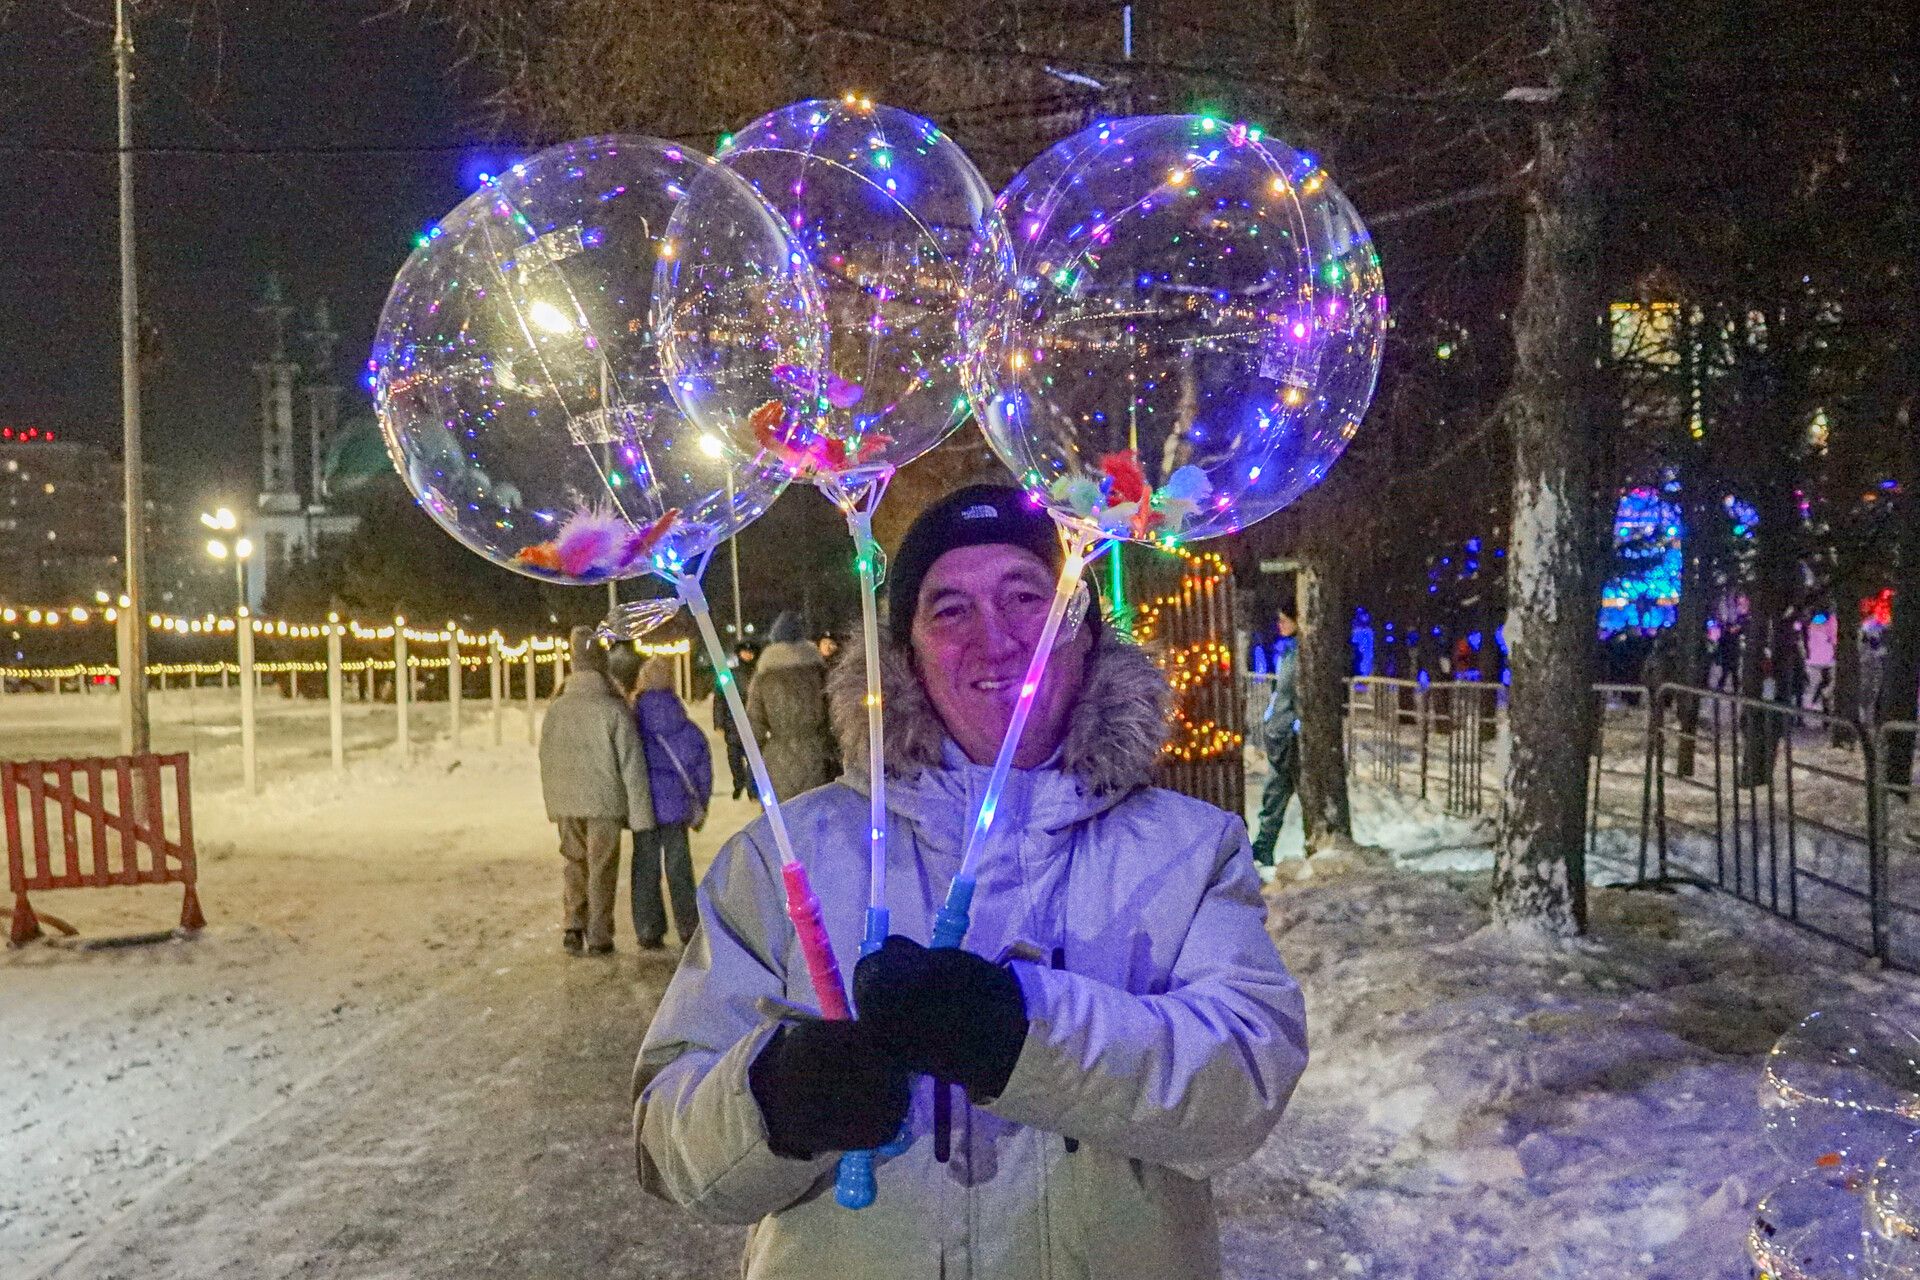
(789, 653)
(1114, 737)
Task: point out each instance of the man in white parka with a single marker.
(1138, 1035)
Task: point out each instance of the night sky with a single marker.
(325, 74)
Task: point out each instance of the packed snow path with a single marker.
(377, 1062)
(481, 1132)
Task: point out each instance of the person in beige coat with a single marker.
(1119, 1029)
(787, 711)
(593, 778)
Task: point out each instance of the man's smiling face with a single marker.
(979, 617)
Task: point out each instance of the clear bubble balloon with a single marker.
(1892, 1214)
(1176, 329)
(1349, 319)
(886, 207)
(1807, 1228)
(570, 364)
(1840, 1090)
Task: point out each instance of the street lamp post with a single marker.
(714, 447)
(223, 521)
(135, 731)
(240, 548)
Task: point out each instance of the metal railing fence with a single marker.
(1784, 808)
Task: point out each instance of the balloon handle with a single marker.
(854, 1186)
(878, 926)
(950, 923)
(803, 908)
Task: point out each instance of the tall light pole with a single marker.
(239, 549)
(714, 447)
(135, 736)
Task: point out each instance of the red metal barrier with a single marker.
(44, 808)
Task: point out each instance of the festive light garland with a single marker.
(1192, 665)
(548, 653)
(279, 628)
(1203, 740)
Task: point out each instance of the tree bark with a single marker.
(1689, 666)
(1324, 596)
(1539, 861)
(1771, 645)
(1900, 680)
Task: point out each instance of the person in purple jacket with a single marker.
(680, 769)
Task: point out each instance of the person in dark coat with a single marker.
(1280, 735)
(745, 655)
(787, 705)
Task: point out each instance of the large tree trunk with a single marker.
(1324, 597)
(1900, 679)
(1772, 648)
(1539, 862)
(1689, 663)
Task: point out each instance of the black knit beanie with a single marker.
(975, 516)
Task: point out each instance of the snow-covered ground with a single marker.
(377, 1062)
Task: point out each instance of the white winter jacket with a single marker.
(1164, 1046)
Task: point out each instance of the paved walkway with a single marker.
(481, 1133)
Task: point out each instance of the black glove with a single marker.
(826, 1086)
(948, 1013)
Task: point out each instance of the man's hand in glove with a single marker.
(948, 1013)
(826, 1086)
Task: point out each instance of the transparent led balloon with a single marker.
(1175, 330)
(1840, 1090)
(886, 207)
(1349, 319)
(1892, 1214)
(569, 366)
(1807, 1228)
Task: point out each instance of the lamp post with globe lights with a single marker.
(229, 544)
(232, 546)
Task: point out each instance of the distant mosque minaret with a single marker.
(294, 519)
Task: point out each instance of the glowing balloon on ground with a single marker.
(1807, 1228)
(1176, 329)
(1892, 1214)
(886, 208)
(1840, 1090)
(523, 360)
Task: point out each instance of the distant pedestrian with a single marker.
(1726, 678)
(1822, 642)
(593, 776)
(829, 646)
(745, 656)
(1280, 735)
(787, 704)
(680, 774)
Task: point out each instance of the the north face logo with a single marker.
(981, 512)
